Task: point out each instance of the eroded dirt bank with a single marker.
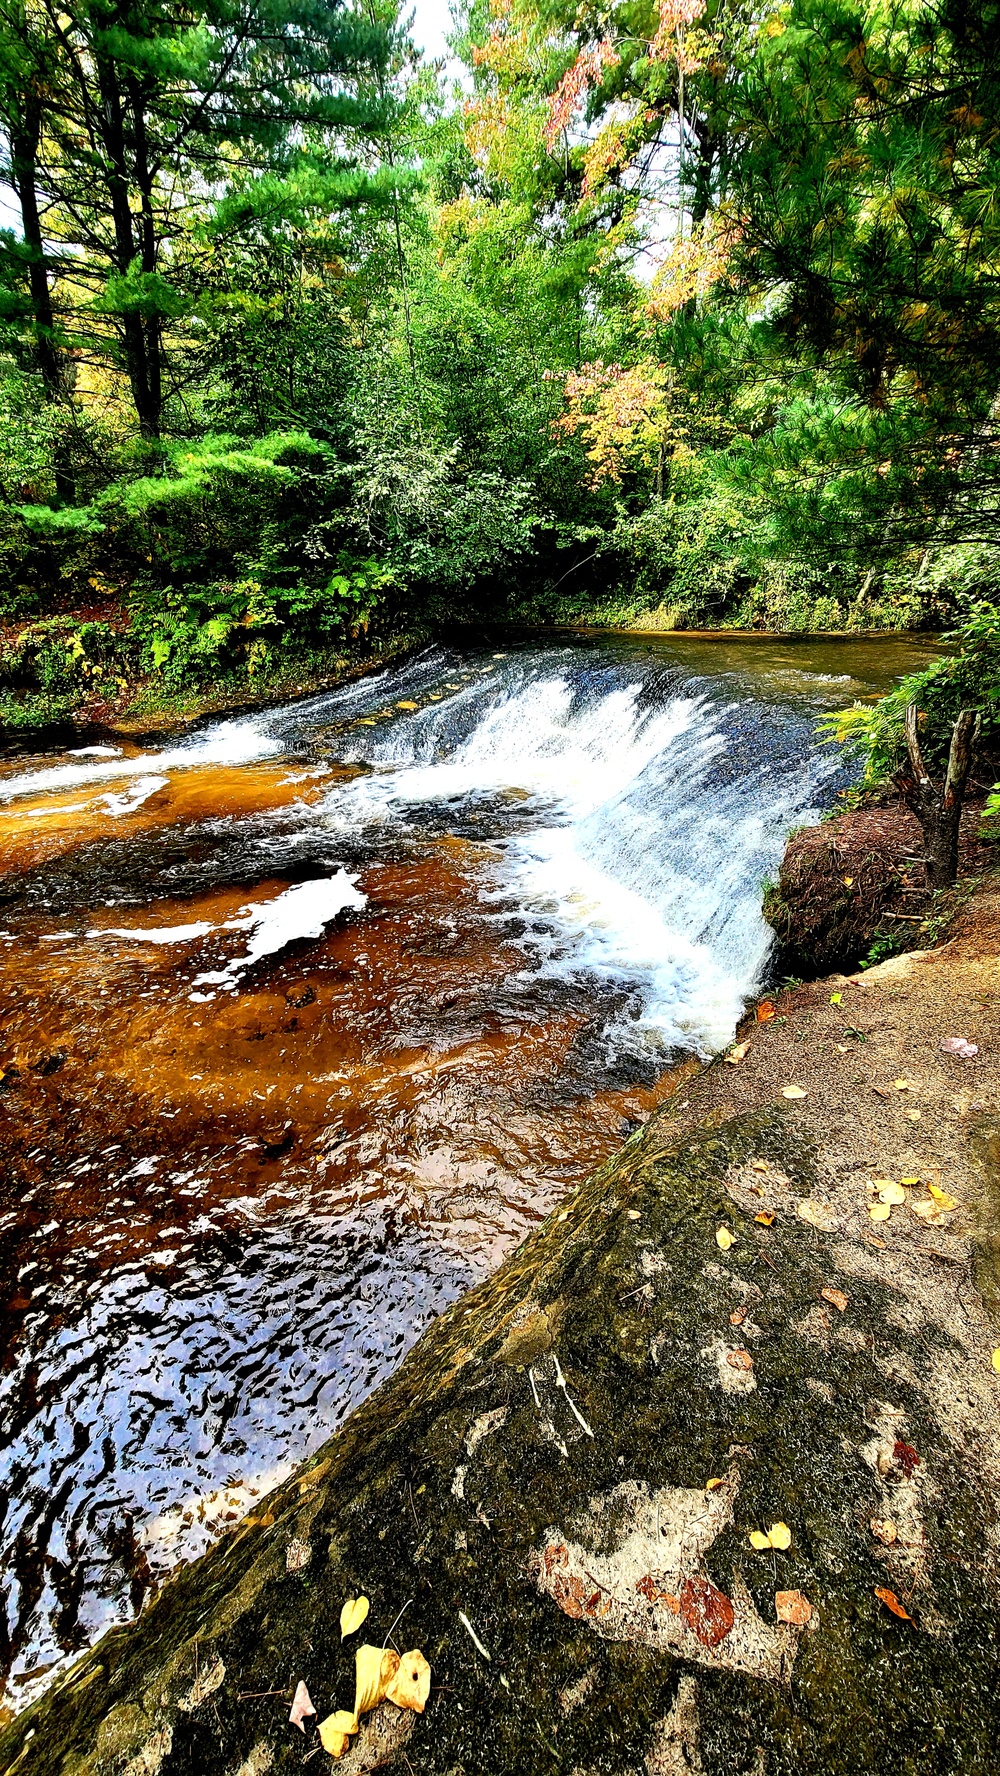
(537, 1471)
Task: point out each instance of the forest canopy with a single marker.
(671, 311)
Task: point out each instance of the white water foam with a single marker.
(225, 743)
(645, 864)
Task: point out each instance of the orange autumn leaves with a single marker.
(624, 417)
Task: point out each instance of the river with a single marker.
(309, 1015)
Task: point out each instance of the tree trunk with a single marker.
(24, 173)
(939, 809)
(141, 339)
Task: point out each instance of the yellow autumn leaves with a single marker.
(891, 1195)
(354, 1612)
(778, 1536)
(381, 1675)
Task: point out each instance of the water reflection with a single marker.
(308, 1017)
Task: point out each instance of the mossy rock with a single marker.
(535, 1476)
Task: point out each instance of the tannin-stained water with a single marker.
(307, 1018)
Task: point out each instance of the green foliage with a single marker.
(58, 656)
(966, 678)
(247, 630)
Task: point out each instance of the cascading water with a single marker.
(309, 1015)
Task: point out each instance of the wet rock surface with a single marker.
(534, 1487)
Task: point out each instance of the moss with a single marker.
(631, 1291)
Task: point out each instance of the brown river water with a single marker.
(309, 1015)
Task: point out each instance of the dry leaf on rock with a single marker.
(905, 1457)
(892, 1193)
(913, 1115)
(835, 998)
(411, 1685)
(793, 1091)
(301, 1707)
(737, 1316)
(724, 1238)
(957, 1045)
(879, 1211)
(766, 1011)
(374, 1670)
(835, 1297)
(739, 1360)
(765, 1218)
(884, 1530)
(942, 1200)
(407, 705)
(995, 1360)
(736, 1055)
(759, 1165)
(904, 1085)
(706, 1610)
(792, 1606)
(892, 1603)
(816, 1213)
(710, 1485)
(778, 1536)
(335, 1732)
(354, 1612)
(297, 1555)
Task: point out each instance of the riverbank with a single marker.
(148, 705)
(110, 697)
(775, 1306)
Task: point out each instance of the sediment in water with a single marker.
(535, 1475)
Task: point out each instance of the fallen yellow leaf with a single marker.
(884, 1530)
(352, 1615)
(778, 1536)
(374, 1669)
(766, 1011)
(736, 1055)
(943, 1200)
(995, 1360)
(914, 1115)
(836, 998)
(765, 1218)
(335, 1731)
(904, 1085)
(848, 881)
(909, 1180)
(411, 1685)
(724, 1238)
(792, 1091)
(880, 1211)
(407, 705)
(759, 1165)
(892, 1193)
(710, 1485)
